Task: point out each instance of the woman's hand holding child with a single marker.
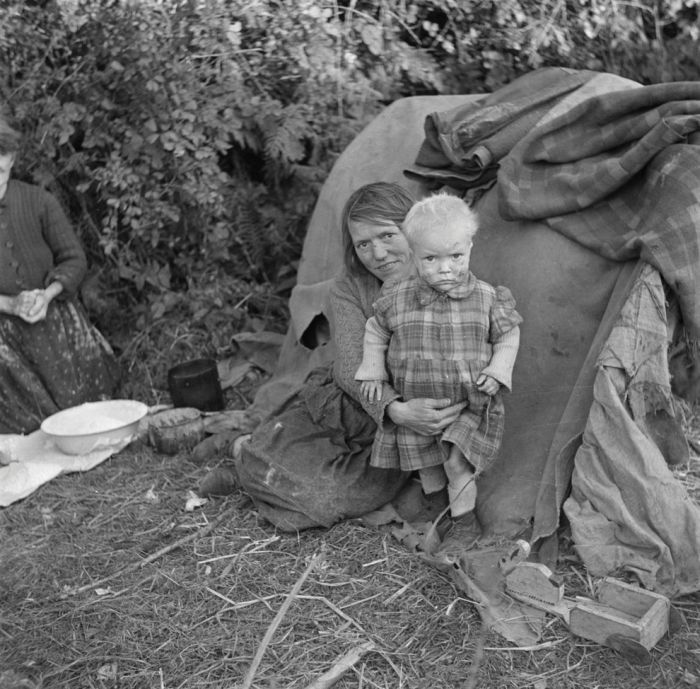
(371, 390)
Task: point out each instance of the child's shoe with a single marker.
(462, 534)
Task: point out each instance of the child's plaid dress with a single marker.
(439, 344)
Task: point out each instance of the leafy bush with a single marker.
(189, 138)
(165, 138)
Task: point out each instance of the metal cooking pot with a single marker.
(196, 384)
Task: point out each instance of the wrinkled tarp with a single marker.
(569, 295)
(607, 166)
(551, 277)
(627, 510)
(616, 174)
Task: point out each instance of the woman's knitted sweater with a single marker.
(37, 243)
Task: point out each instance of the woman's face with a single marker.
(382, 249)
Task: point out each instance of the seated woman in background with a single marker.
(51, 357)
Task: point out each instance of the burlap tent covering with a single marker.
(572, 290)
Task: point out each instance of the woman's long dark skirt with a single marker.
(51, 365)
(307, 465)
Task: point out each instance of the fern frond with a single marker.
(248, 234)
(284, 140)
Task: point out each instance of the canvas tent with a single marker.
(595, 285)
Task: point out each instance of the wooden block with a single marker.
(536, 580)
(621, 609)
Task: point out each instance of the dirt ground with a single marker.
(107, 581)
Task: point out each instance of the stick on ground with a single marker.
(276, 622)
(341, 666)
(158, 554)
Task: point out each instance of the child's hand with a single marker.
(487, 384)
(371, 390)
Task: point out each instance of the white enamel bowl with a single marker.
(94, 425)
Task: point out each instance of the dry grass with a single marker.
(107, 582)
(85, 602)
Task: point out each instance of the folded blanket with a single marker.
(616, 174)
(463, 146)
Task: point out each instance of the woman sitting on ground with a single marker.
(51, 357)
(308, 463)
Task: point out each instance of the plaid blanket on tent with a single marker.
(463, 146)
(617, 175)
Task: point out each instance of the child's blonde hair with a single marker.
(434, 212)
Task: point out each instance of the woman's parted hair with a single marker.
(10, 138)
(383, 203)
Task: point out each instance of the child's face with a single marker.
(442, 256)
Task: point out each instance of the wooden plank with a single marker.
(536, 581)
(597, 622)
(652, 609)
(623, 596)
(655, 623)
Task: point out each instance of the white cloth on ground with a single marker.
(35, 460)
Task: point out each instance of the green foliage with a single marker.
(189, 138)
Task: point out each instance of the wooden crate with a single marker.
(621, 609)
